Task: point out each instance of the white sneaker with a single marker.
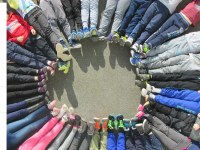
(135, 47)
(129, 42)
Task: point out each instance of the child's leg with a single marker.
(76, 5)
(85, 10)
(22, 70)
(106, 19)
(121, 8)
(103, 142)
(121, 142)
(111, 141)
(95, 142)
(94, 10)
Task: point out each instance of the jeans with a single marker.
(112, 144)
(24, 104)
(21, 70)
(89, 10)
(184, 64)
(55, 14)
(153, 18)
(18, 78)
(38, 20)
(20, 130)
(172, 28)
(22, 56)
(118, 7)
(40, 47)
(44, 136)
(20, 87)
(19, 114)
(133, 15)
(152, 143)
(72, 10)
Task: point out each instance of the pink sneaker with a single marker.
(139, 115)
(140, 108)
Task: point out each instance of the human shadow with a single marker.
(64, 82)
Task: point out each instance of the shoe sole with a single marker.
(115, 39)
(132, 63)
(128, 44)
(121, 42)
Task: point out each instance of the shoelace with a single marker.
(110, 124)
(121, 124)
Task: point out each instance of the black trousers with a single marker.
(20, 87)
(40, 47)
(21, 70)
(174, 118)
(72, 10)
(192, 85)
(185, 76)
(18, 78)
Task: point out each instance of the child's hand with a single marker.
(33, 31)
(20, 38)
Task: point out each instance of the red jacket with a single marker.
(17, 26)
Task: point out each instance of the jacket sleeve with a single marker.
(10, 38)
(23, 22)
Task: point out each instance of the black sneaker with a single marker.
(111, 125)
(146, 127)
(90, 130)
(120, 123)
(77, 121)
(141, 71)
(83, 126)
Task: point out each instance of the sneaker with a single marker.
(146, 48)
(104, 124)
(135, 47)
(127, 124)
(42, 83)
(83, 127)
(146, 127)
(140, 115)
(101, 37)
(74, 45)
(64, 66)
(120, 123)
(109, 37)
(64, 44)
(144, 77)
(97, 124)
(80, 34)
(111, 125)
(122, 40)
(134, 61)
(42, 70)
(53, 64)
(140, 107)
(129, 42)
(77, 121)
(134, 122)
(140, 65)
(90, 130)
(115, 37)
(141, 84)
(139, 128)
(73, 35)
(93, 31)
(141, 71)
(42, 89)
(86, 32)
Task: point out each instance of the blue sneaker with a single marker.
(86, 32)
(74, 45)
(127, 124)
(80, 34)
(73, 35)
(93, 31)
(134, 61)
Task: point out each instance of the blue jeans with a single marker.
(112, 144)
(154, 17)
(134, 14)
(152, 143)
(17, 138)
(172, 28)
(24, 57)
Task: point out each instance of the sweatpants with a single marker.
(72, 10)
(189, 62)
(19, 131)
(44, 136)
(134, 14)
(117, 7)
(89, 11)
(22, 56)
(67, 142)
(23, 94)
(60, 138)
(192, 85)
(195, 134)
(183, 45)
(38, 20)
(21, 70)
(56, 17)
(19, 114)
(175, 118)
(170, 138)
(186, 105)
(154, 17)
(113, 144)
(134, 140)
(99, 141)
(79, 136)
(39, 46)
(173, 27)
(18, 78)
(24, 104)
(20, 87)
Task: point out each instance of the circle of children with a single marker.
(167, 64)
